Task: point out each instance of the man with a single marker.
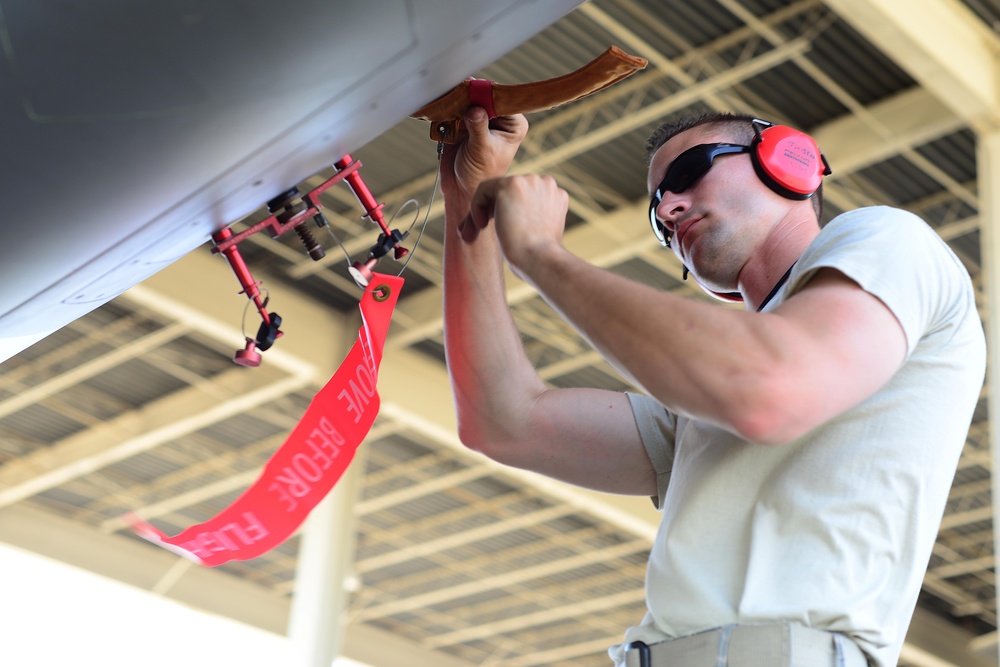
(801, 455)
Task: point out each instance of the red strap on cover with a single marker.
(306, 467)
(481, 95)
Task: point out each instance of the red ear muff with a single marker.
(788, 161)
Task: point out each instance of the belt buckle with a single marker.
(645, 658)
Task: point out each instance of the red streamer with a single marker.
(307, 466)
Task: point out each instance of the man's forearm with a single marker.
(492, 379)
(697, 359)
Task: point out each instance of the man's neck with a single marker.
(780, 250)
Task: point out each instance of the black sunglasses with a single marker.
(682, 173)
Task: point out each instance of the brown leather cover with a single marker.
(446, 112)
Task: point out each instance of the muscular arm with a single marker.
(768, 377)
(584, 436)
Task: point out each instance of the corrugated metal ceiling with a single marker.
(452, 553)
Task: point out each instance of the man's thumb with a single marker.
(477, 122)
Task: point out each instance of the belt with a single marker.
(773, 645)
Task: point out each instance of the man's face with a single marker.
(716, 221)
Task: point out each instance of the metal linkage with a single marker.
(291, 210)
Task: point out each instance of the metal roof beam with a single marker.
(913, 117)
(132, 433)
(209, 589)
(941, 44)
(89, 369)
(196, 299)
(500, 581)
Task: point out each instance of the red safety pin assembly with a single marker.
(291, 210)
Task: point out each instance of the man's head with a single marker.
(739, 126)
(727, 188)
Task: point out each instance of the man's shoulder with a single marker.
(874, 219)
(876, 230)
(900, 259)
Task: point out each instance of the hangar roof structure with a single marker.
(452, 560)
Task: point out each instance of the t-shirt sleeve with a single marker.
(657, 429)
(895, 256)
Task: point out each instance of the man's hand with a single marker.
(586, 437)
(486, 151)
(529, 213)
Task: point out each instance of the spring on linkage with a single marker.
(314, 249)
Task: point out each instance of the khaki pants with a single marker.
(774, 645)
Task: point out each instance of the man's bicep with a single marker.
(851, 340)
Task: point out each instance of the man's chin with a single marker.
(709, 279)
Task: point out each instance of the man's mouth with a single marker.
(682, 230)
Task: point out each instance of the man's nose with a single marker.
(671, 207)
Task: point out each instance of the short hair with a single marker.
(738, 125)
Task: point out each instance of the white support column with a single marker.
(326, 553)
(316, 620)
(988, 168)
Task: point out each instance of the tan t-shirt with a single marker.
(833, 531)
